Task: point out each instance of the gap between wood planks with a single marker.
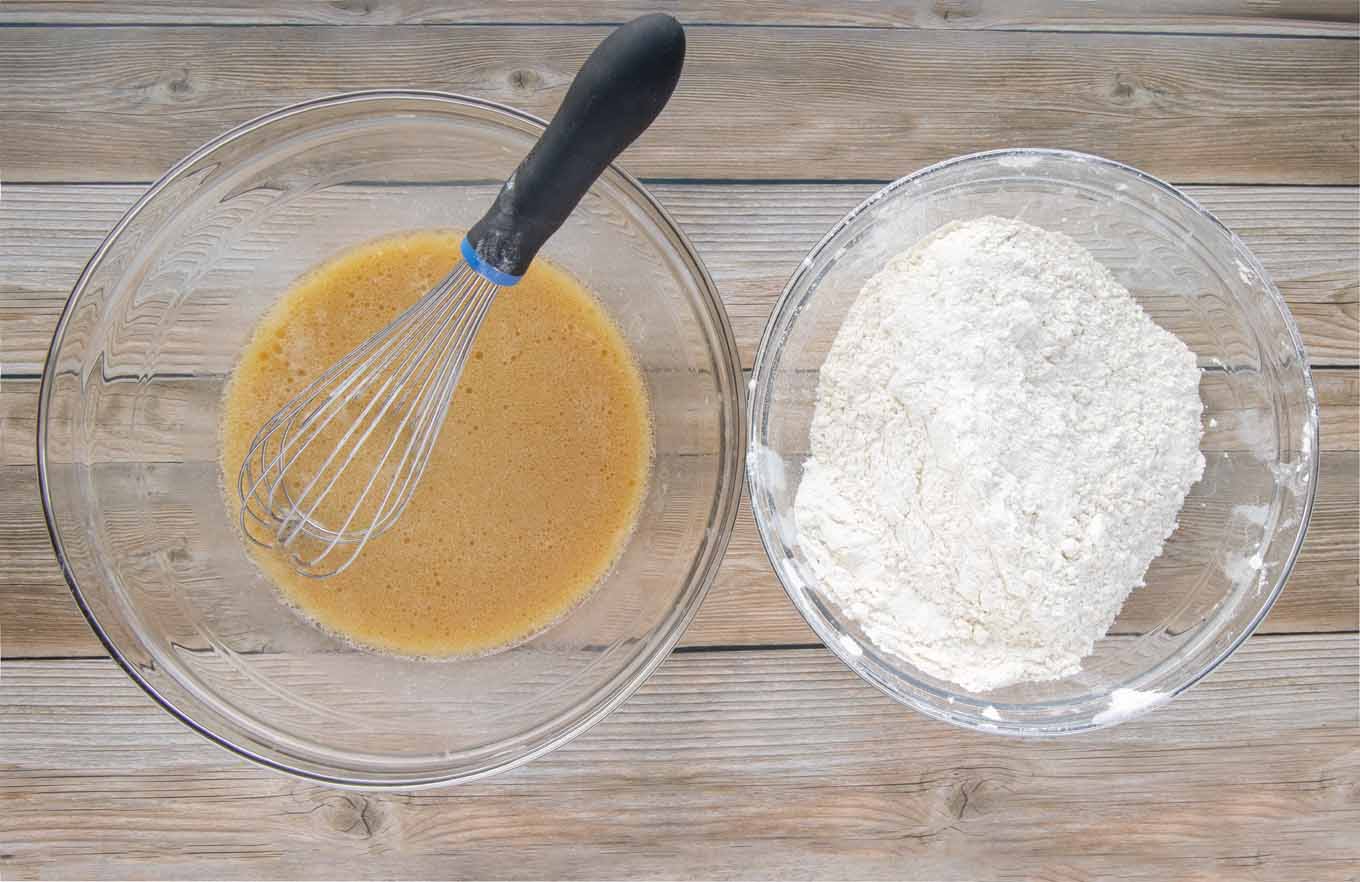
(1184, 107)
(715, 25)
(1299, 246)
(710, 182)
(751, 236)
(1325, 18)
(785, 763)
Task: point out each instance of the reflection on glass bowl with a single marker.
(128, 444)
(1242, 524)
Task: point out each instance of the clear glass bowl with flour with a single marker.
(1233, 541)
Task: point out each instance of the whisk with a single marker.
(340, 461)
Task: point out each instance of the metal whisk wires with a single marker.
(337, 465)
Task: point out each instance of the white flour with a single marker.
(1002, 441)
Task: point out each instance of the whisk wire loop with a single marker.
(402, 379)
(396, 389)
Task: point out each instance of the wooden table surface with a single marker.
(752, 752)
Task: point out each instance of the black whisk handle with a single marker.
(616, 95)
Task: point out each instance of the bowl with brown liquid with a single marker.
(575, 508)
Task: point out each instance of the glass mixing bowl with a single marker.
(128, 444)
(1242, 524)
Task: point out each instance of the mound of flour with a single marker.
(1001, 443)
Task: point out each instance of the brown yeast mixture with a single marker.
(534, 484)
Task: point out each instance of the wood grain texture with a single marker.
(746, 605)
(776, 763)
(792, 103)
(1295, 17)
(751, 236)
(724, 765)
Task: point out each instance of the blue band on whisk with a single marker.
(486, 270)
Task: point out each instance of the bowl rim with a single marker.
(760, 378)
(703, 571)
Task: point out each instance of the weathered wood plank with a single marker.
(751, 237)
(746, 606)
(177, 422)
(727, 764)
(1294, 17)
(737, 764)
(779, 102)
